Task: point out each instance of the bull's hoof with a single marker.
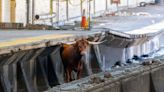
(150, 62)
(96, 80)
(156, 61)
(107, 75)
(145, 63)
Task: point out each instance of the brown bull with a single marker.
(71, 55)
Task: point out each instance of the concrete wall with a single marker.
(21, 11)
(42, 7)
(142, 79)
(74, 10)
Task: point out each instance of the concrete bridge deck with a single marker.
(132, 18)
(10, 39)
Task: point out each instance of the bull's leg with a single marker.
(67, 75)
(70, 74)
(79, 70)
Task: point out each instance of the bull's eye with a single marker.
(80, 47)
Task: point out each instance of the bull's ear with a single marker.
(76, 39)
(90, 39)
(83, 39)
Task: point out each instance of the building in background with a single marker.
(52, 11)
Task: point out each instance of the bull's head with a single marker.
(83, 45)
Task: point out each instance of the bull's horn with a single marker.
(71, 42)
(95, 43)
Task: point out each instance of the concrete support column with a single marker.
(5, 10)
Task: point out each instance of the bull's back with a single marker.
(69, 54)
(66, 53)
